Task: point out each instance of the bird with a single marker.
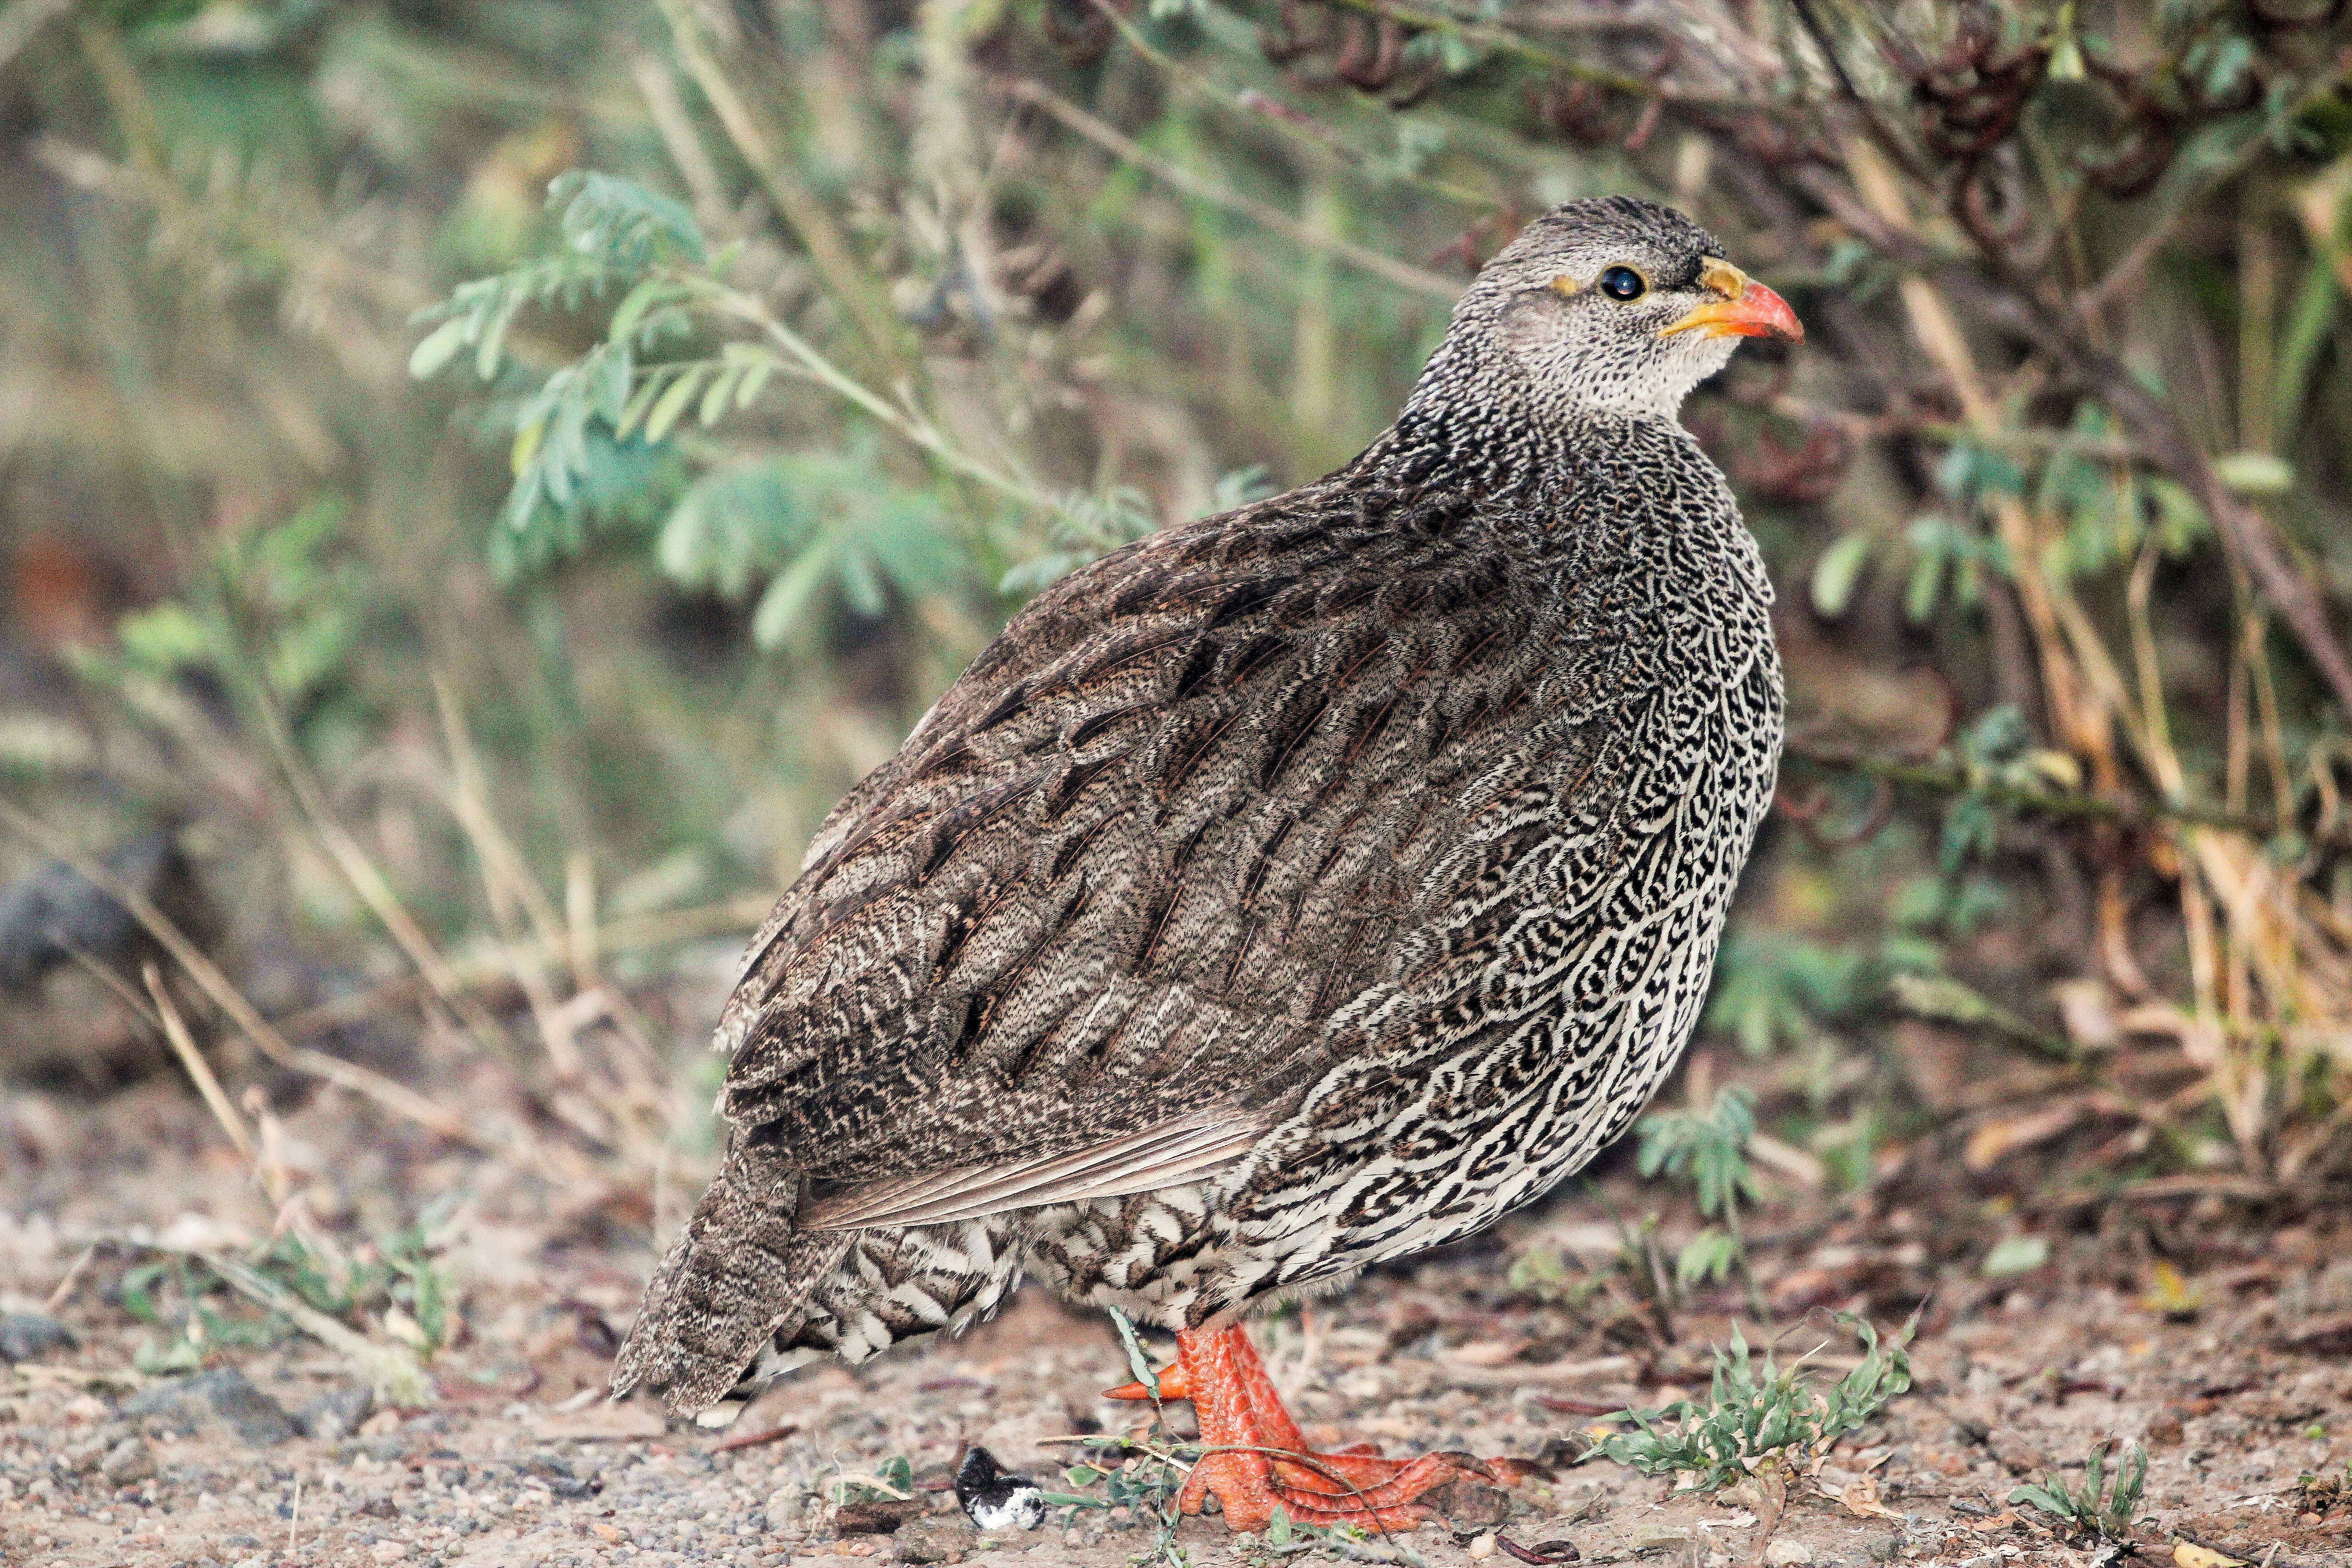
(1285, 893)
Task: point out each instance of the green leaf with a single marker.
(786, 604)
(2253, 474)
(672, 402)
(2309, 322)
(433, 352)
(1138, 1362)
(754, 382)
(493, 344)
(621, 223)
(2015, 1254)
(1835, 573)
(634, 410)
(1708, 1256)
(1926, 586)
(635, 305)
(714, 398)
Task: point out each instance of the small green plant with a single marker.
(2321, 1493)
(1757, 1413)
(2092, 1508)
(892, 1480)
(1713, 1148)
(400, 1285)
(1770, 989)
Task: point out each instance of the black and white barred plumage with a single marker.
(1291, 891)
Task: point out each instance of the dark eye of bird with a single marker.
(1622, 283)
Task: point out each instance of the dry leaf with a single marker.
(1995, 1139)
(399, 1325)
(2171, 1296)
(2189, 1555)
(1861, 1499)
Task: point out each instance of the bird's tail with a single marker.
(739, 1270)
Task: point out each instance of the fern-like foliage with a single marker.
(572, 457)
(595, 438)
(1712, 1149)
(817, 526)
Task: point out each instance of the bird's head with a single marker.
(1615, 305)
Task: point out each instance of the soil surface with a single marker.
(2226, 1357)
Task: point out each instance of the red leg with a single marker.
(1242, 1417)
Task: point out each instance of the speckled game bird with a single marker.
(1286, 893)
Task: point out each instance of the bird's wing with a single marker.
(1100, 919)
(1130, 1163)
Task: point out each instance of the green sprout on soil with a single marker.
(293, 1283)
(892, 1480)
(1758, 1415)
(2321, 1493)
(2091, 1508)
(1713, 1148)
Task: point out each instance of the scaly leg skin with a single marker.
(1220, 1373)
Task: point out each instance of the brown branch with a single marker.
(390, 1093)
(2080, 805)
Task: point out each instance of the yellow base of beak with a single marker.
(1746, 309)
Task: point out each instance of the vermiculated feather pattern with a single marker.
(1393, 820)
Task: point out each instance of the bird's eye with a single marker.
(1622, 283)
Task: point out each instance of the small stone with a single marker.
(29, 1336)
(337, 1413)
(1482, 1546)
(935, 1538)
(1469, 1504)
(1786, 1553)
(879, 1517)
(224, 1394)
(86, 1455)
(128, 1460)
(388, 1550)
(2018, 1457)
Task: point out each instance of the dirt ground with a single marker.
(2228, 1363)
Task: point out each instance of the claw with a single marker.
(1173, 1384)
(1257, 1460)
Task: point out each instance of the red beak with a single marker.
(1747, 309)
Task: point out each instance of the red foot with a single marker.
(1247, 1431)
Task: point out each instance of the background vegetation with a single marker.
(478, 479)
